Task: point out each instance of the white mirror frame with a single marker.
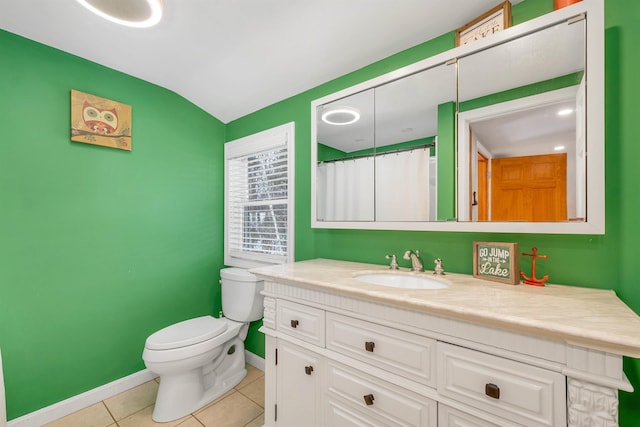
(595, 223)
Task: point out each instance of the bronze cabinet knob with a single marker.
(368, 399)
(492, 390)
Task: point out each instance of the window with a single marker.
(259, 198)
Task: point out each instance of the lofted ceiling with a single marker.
(234, 57)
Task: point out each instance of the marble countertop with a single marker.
(593, 318)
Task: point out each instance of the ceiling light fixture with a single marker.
(340, 116)
(132, 13)
(565, 112)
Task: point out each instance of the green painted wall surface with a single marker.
(522, 91)
(446, 180)
(99, 247)
(607, 261)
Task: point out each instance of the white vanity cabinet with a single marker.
(340, 352)
(338, 370)
(325, 375)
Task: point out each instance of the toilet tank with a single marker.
(241, 298)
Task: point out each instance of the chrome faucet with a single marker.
(394, 262)
(416, 264)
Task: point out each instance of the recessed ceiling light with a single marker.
(132, 13)
(340, 116)
(565, 112)
(558, 148)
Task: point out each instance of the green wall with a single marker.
(607, 261)
(98, 247)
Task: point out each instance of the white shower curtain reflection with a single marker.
(348, 190)
(402, 186)
(345, 191)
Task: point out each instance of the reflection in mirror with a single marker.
(521, 129)
(395, 136)
(344, 188)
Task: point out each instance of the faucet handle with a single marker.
(438, 268)
(394, 262)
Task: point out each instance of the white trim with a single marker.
(254, 360)
(278, 136)
(81, 401)
(3, 409)
(465, 119)
(98, 394)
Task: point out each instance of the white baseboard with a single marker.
(98, 394)
(254, 360)
(83, 400)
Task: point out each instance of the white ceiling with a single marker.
(234, 57)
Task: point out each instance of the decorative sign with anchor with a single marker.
(496, 261)
(532, 280)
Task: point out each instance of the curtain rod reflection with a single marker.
(399, 150)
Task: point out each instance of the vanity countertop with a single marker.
(593, 318)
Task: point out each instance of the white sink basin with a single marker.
(399, 280)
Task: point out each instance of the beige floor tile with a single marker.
(143, 419)
(253, 374)
(191, 422)
(233, 411)
(224, 396)
(255, 391)
(131, 401)
(92, 416)
(257, 422)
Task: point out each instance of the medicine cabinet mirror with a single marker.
(490, 136)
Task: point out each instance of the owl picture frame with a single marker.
(100, 121)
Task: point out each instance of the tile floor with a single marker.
(241, 407)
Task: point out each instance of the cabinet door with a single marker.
(298, 393)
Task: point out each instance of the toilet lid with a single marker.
(188, 332)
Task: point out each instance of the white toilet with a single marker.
(198, 360)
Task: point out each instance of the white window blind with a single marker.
(258, 207)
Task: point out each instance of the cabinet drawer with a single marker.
(375, 399)
(341, 414)
(449, 417)
(301, 321)
(508, 389)
(411, 356)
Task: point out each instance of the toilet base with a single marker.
(180, 395)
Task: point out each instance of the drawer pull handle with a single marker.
(308, 370)
(294, 324)
(492, 390)
(369, 346)
(368, 399)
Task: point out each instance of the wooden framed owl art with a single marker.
(100, 121)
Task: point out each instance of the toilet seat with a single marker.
(186, 333)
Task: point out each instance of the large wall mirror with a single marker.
(377, 150)
(504, 134)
